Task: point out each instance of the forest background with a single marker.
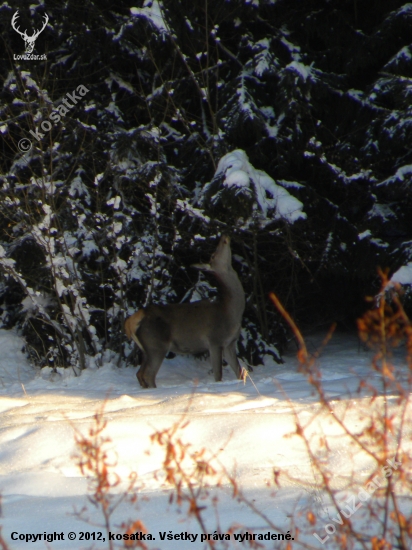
(150, 128)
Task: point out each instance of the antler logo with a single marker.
(28, 40)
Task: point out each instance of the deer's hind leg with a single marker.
(140, 375)
(153, 335)
(152, 361)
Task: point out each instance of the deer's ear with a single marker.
(203, 267)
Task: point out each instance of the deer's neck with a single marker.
(231, 293)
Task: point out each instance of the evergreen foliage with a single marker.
(132, 184)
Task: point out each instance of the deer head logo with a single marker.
(28, 40)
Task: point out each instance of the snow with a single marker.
(364, 234)
(239, 172)
(264, 61)
(249, 424)
(404, 171)
(404, 54)
(31, 303)
(401, 173)
(120, 82)
(152, 11)
(303, 70)
(403, 275)
(237, 178)
(406, 8)
(382, 211)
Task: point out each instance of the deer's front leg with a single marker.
(230, 356)
(216, 356)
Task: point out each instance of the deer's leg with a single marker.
(230, 356)
(215, 353)
(153, 336)
(140, 377)
(151, 364)
(141, 371)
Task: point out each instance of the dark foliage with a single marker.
(125, 189)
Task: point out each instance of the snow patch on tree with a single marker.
(403, 173)
(152, 11)
(403, 275)
(273, 201)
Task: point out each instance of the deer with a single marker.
(193, 327)
(28, 40)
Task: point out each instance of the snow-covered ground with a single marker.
(249, 424)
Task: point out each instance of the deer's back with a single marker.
(189, 327)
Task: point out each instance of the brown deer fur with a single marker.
(194, 327)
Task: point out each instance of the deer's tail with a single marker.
(131, 325)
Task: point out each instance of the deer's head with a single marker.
(221, 260)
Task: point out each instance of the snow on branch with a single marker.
(270, 198)
(403, 275)
(151, 10)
